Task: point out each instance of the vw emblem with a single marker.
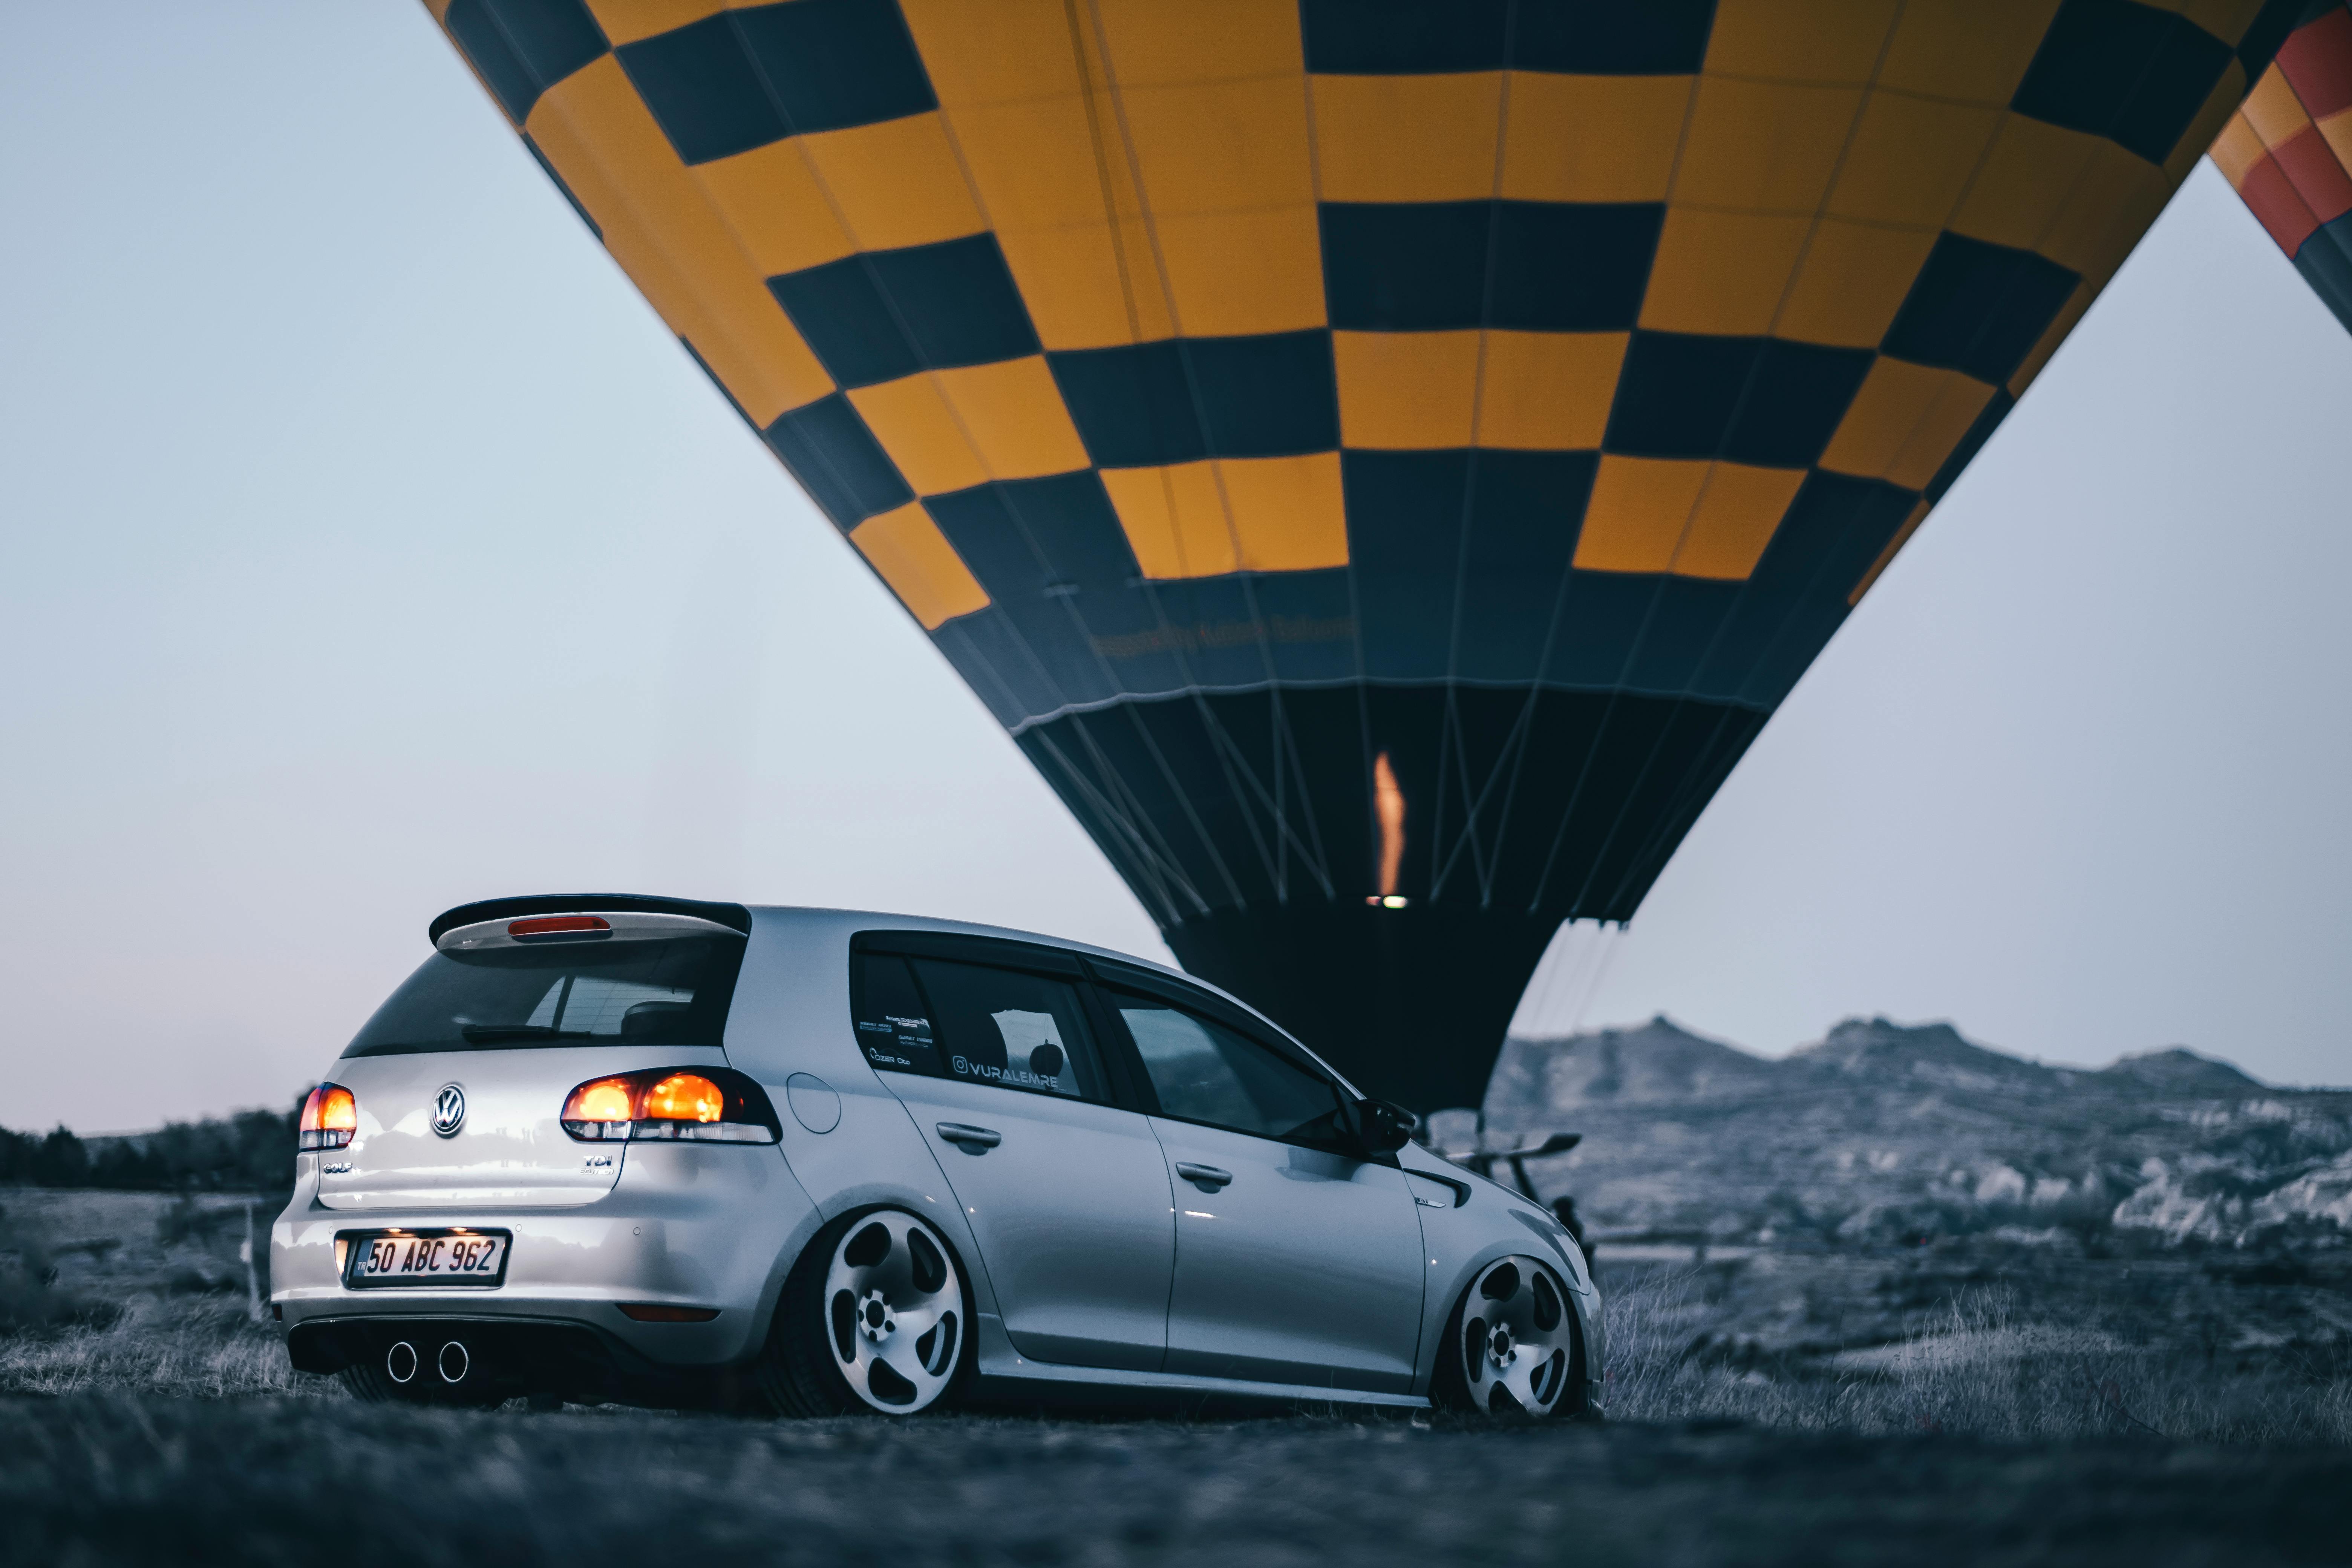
(448, 1110)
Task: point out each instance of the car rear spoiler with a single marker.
(735, 917)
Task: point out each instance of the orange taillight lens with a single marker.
(330, 1117)
(606, 1100)
(684, 1097)
(716, 1105)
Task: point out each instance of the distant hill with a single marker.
(2183, 1071)
(1880, 1053)
(1883, 1132)
(1658, 1063)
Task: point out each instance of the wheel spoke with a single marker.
(900, 1351)
(1524, 1377)
(914, 1320)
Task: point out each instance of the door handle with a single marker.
(1205, 1176)
(971, 1140)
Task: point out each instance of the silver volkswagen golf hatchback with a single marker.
(656, 1151)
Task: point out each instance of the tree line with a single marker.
(248, 1151)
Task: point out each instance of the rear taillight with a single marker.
(711, 1105)
(330, 1119)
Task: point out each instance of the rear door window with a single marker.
(975, 1023)
(893, 1021)
(668, 991)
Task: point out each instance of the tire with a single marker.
(1513, 1347)
(875, 1319)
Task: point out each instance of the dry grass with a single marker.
(1974, 1366)
(145, 1296)
(133, 1292)
(201, 1347)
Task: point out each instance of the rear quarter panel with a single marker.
(790, 1020)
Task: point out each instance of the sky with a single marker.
(367, 545)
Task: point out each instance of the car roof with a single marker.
(847, 922)
(795, 914)
(833, 921)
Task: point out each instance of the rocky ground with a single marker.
(1811, 1238)
(1881, 1134)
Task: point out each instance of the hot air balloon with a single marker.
(2287, 148)
(1384, 461)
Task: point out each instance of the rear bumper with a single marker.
(711, 1226)
(504, 1357)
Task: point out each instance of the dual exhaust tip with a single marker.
(402, 1363)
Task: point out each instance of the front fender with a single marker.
(1464, 1233)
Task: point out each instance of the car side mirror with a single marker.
(1377, 1127)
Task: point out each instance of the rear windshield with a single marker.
(671, 992)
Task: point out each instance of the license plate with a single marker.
(387, 1260)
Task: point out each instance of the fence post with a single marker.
(252, 1281)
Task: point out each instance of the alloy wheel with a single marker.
(894, 1312)
(1518, 1338)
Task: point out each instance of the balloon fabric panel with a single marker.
(2287, 148)
(1276, 409)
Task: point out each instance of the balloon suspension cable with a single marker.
(1608, 940)
(1569, 978)
(1544, 987)
(1571, 970)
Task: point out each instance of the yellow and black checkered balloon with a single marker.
(1384, 460)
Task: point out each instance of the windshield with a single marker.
(671, 992)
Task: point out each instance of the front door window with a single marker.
(1203, 1072)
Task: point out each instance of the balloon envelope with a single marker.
(2287, 148)
(1382, 461)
